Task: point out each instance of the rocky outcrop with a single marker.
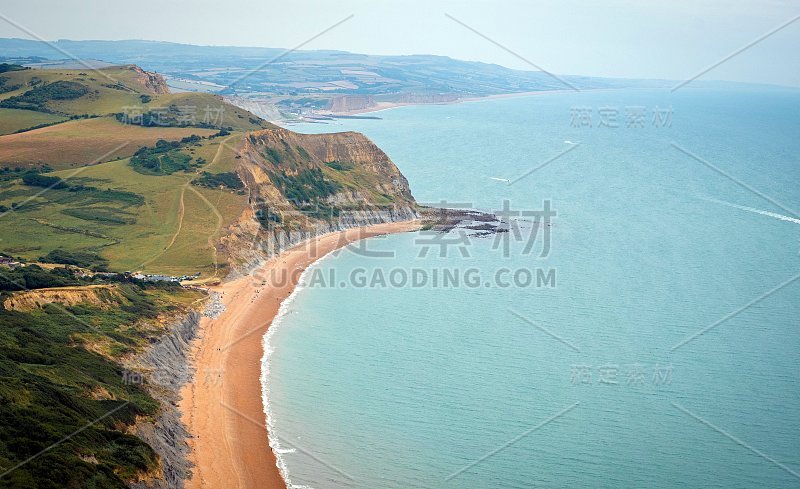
(369, 169)
(249, 245)
(165, 368)
(152, 82)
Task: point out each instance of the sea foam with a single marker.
(283, 311)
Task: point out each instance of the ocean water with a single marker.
(665, 353)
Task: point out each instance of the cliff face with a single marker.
(304, 185)
(165, 365)
(348, 158)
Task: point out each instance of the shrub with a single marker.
(164, 158)
(340, 165)
(307, 186)
(38, 180)
(4, 67)
(215, 180)
(37, 98)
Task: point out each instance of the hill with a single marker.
(70, 118)
(111, 190)
(80, 142)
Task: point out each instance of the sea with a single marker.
(635, 323)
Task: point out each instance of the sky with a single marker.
(674, 39)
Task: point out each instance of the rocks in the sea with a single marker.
(445, 220)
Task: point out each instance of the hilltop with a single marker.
(70, 118)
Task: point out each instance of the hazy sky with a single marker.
(620, 38)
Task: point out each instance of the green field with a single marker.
(142, 213)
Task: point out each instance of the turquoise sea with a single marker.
(664, 355)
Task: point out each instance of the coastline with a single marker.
(223, 406)
(383, 106)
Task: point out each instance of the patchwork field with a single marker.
(153, 223)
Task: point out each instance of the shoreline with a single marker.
(223, 406)
(383, 106)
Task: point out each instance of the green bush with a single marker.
(5, 87)
(341, 165)
(4, 67)
(37, 98)
(229, 180)
(34, 277)
(307, 186)
(39, 180)
(164, 158)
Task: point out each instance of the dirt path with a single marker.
(182, 211)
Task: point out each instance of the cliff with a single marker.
(304, 185)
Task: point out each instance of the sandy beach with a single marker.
(222, 406)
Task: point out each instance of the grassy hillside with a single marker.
(13, 120)
(75, 92)
(140, 213)
(117, 90)
(169, 179)
(62, 387)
